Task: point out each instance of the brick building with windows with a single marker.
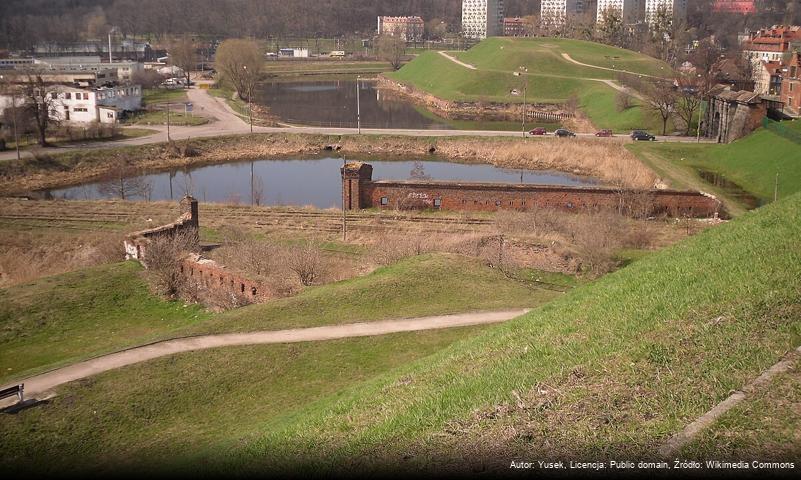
(410, 29)
(791, 85)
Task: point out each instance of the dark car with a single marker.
(564, 133)
(604, 133)
(538, 131)
(642, 137)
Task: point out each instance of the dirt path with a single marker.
(39, 384)
(691, 431)
(571, 60)
(457, 61)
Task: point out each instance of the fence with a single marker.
(782, 130)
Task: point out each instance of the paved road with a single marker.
(226, 122)
(40, 384)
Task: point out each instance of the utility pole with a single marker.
(344, 214)
(169, 105)
(250, 98)
(525, 91)
(14, 117)
(776, 188)
(358, 106)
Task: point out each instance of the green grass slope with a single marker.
(415, 287)
(550, 78)
(611, 368)
(67, 317)
(544, 56)
(751, 162)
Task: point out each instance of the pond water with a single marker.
(332, 103)
(732, 189)
(296, 182)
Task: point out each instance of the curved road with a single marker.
(45, 382)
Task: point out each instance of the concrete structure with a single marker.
(675, 9)
(360, 191)
(791, 85)
(482, 18)
(514, 27)
(555, 14)
(205, 275)
(124, 70)
(743, 7)
(732, 114)
(293, 52)
(630, 11)
(12, 63)
(120, 50)
(410, 29)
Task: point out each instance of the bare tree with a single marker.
(147, 78)
(164, 257)
(661, 98)
(240, 63)
(688, 100)
(306, 262)
(183, 55)
(125, 183)
(610, 25)
(391, 48)
(41, 104)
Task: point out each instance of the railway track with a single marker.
(90, 215)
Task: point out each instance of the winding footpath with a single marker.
(43, 383)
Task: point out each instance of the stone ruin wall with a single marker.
(199, 272)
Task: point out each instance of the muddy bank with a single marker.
(607, 160)
(491, 111)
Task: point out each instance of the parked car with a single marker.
(604, 133)
(564, 133)
(642, 137)
(538, 131)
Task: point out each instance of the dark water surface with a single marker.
(332, 103)
(731, 189)
(298, 182)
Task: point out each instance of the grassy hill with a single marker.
(751, 163)
(610, 368)
(550, 78)
(543, 56)
(67, 317)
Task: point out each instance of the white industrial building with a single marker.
(676, 9)
(482, 18)
(630, 11)
(104, 105)
(125, 70)
(556, 13)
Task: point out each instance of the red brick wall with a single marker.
(492, 197)
(212, 276)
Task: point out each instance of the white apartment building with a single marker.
(556, 13)
(677, 9)
(482, 18)
(631, 11)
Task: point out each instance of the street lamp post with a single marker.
(250, 99)
(169, 106)
(358, 106)
(525, 92)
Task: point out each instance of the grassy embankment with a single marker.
(551, 78)
(611, 368)
(162, 98)
(102, 309)
(751, 163)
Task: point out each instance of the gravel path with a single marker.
(39, 384)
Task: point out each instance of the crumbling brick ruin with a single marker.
(360, 191)
(199, 272)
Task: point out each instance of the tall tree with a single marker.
(41, 104)
(240, 62)
(391, 48)
(688, 99)
(662, 99)
(184, 55)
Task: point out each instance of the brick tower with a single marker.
(355, 176)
